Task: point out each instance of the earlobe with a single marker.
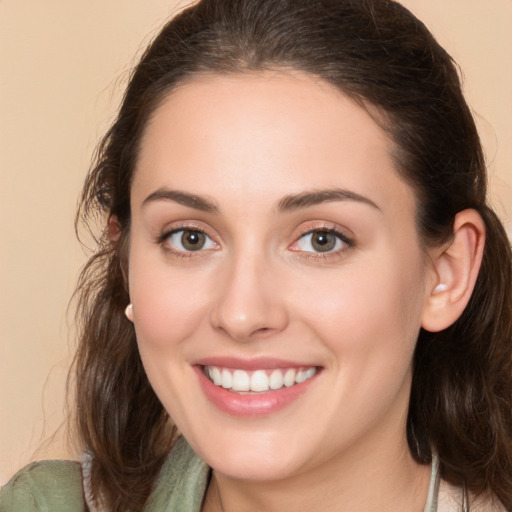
(455, 270)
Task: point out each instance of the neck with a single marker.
(386, 480)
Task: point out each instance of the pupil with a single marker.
(193, 240)
(323, 241)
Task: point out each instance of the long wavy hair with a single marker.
(381, 56)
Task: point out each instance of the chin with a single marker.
(261, 459)
(271, 469)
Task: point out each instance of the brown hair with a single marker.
(379, 54)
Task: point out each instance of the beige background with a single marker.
(62, 67)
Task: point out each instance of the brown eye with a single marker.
(193, 240)
(190, 240)
(323, 241)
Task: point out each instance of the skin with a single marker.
(244, 143)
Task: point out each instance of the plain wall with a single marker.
(62, 70)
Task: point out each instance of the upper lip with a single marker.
(258, 363)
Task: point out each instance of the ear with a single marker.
(454, 271)
(117, 239)
(114, 228)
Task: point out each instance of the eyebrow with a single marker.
(184, 198)
(287, 204)
(315, 197)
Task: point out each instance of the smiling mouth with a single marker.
(258, 381)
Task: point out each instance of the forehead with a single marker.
(278, 132)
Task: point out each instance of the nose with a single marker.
(248, 303)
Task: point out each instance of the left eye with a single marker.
(319, 241)
(189, 240)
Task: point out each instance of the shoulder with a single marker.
(486, 504)
(182, 482)
(44, 486)
(451, 499)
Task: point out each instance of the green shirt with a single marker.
(56, 486)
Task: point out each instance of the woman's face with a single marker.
(273, 250)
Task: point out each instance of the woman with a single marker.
(299, 273)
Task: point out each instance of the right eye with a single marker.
(189, 240)
(321, 241)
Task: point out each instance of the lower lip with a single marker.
(251, 405)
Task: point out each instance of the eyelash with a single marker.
(347, 242)
(163, 241)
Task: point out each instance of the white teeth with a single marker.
(276, 380)
(259, 380)
(303, 375)
(227, 379)
(300, 377)
(241, 381)
(310, 373)
(289, 378)
(216, 376)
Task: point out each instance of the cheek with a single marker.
(372, 307)
(168, 306)
(168, 310)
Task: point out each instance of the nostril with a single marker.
(245, 310)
